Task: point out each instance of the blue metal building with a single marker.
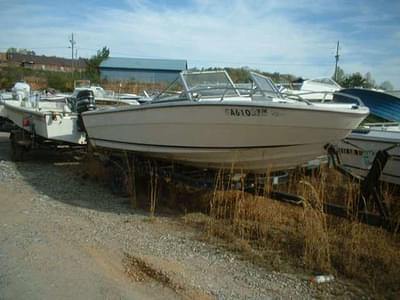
(141, 69)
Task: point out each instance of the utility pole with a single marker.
(72, 41)
(78, 66)
(337, 60)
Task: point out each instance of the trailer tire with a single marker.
(17, 150)
(118, 179)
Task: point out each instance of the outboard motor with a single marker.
(85, 101)
(21, 92)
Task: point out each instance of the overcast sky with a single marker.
(297, 37)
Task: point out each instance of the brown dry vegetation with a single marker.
(290, 238)
(40, 80)
(270, 232)
(131, 87)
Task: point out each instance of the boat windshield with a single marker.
(195, 86)
(265, 86)
(174, 92)
(210, 84)
(324, 81)
(199, 85)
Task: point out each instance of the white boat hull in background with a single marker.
(2, 111)
(358, 150)
(247, 136)
(53, 125)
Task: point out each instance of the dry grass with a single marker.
(40, 83)
(120, 173)
(154, 188)
(307, 237)
(132, 87)
(36, 83)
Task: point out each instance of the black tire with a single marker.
(17, 151)
(119, 181)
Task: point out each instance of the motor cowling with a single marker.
(85, 101)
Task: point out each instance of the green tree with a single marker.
(12, 50)
(92, 65)
(21, 51)
(369, 81)
(354, 80)
(386, 85)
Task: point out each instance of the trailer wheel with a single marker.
(119, 181)
(17, 150)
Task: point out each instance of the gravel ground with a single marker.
(63, 237)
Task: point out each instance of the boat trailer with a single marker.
(370, 191)
(23, 141)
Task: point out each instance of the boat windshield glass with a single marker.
(209, 84)
(265, 86)
(174, 92)
(194, 86)
(325, 81)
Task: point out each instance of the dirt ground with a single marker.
(62, 237)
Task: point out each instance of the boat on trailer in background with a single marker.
(317, 89)
(38, 122)
(357, 152)
(204, 120)
(50, 121)
(105, 97)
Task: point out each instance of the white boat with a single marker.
(51, 120)
(358, 150)
(105, 97)
(52, 123)
(317, 89)
(210, 124)
(2, 109)
(50, 116)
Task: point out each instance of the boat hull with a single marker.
(2, 111)
(49, 125)
(244, 137)
(257, 160)
(357, 153)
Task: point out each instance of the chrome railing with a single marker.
(324, 98)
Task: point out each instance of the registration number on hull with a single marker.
(250, 112)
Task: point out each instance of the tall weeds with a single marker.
(132, 87)
(316, 253)
(153, 189)
(306, 236)
(131, 179)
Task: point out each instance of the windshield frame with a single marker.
(192, 92)
(272, 88)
